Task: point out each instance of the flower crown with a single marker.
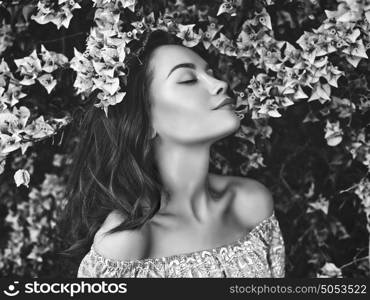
(110, 50)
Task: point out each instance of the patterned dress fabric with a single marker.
(259, 253)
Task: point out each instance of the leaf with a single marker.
(310, 117)
(27, 10)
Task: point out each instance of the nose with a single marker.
(220, 87)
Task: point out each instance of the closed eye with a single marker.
(189, 81)
(194, 80)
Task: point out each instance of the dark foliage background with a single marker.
(320, 190)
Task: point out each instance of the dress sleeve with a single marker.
(93, 265)
(87, 268)
(276, 252)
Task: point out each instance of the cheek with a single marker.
(179, 115)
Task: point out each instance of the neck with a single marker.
(184, 173)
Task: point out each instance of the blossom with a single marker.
(106, 19)
(81, 64)
(108, 99)
(208, 35)
(6, 36)
(189, 37)
(51, 60)
(13, 94)
(320, 204)
(106, 84)
(22, 177)
(130, 4)
(330, 270)
(61, 16)
(30, 67)
(224, 45)
(320, 92)
(333, 133)
(48, 82)
(268, 108)
(39, 128)
(355, 52)
(228, 7)
(263, 18)
(9, 143)
(22, 114)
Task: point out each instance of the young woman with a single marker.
(142, 202)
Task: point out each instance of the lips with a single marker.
(225, 101)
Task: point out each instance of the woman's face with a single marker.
(183, 98)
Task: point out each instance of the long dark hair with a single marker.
(113, 164)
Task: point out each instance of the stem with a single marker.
(348, 189)
(62, 38)
(354, 261)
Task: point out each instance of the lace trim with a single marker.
(246, 236)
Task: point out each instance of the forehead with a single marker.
(165, 57)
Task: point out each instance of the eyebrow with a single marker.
(185, 65)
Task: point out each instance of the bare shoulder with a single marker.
(122, 245)
(253, 201)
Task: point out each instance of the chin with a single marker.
(236, 122)
(230, 128)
